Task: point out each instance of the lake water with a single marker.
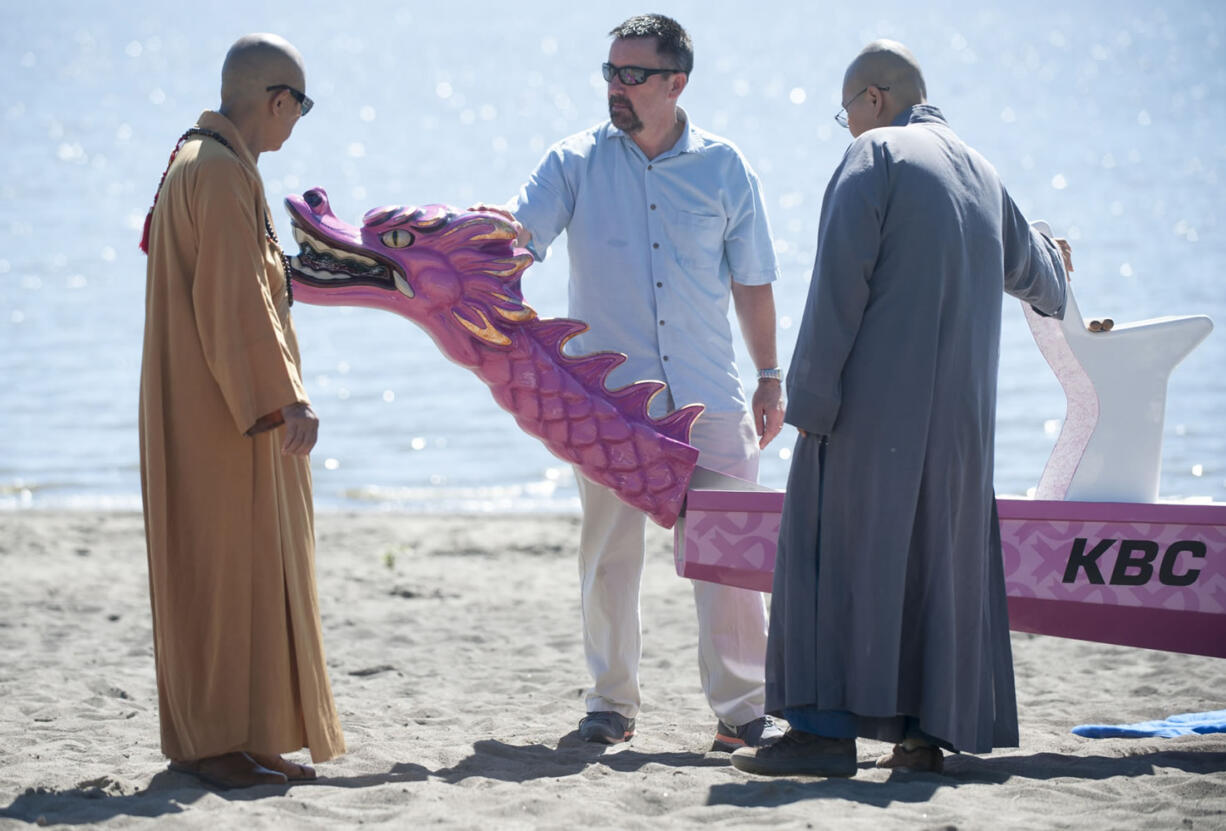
(1107, 119)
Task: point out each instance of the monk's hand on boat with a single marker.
(768, 410)
(301, 429)
(1066, 251)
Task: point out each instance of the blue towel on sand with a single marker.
(1180, 725)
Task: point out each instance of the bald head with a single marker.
(887, 63)
(254, 63)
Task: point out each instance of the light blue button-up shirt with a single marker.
(654, 245)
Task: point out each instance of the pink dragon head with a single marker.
(454, 273)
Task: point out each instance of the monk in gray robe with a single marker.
(888, 619)
(225, 428)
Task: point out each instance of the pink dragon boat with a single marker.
(1095, 555)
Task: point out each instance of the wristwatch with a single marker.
(773, 374)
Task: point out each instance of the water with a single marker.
(1105, 119)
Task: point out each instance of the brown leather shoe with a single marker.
(799, 754)
(926, 759)
(230, 770)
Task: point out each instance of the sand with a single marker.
(455, 657)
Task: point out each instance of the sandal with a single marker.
(230, 770)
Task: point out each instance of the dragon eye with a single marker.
(396, 238)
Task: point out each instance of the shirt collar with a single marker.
(688, 142)
(919, 114)
(218, 123)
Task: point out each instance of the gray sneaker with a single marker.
(606, 727)
(757, 733)
(799, 754)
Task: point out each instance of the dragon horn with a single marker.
(677, 424)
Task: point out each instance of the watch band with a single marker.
(773, 373)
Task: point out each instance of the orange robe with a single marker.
(229, 522)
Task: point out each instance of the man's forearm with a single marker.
(755, 311)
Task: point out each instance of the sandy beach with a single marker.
(456, 662)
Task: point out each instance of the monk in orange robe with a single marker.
(225, 429)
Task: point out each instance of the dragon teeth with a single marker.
(321, 247)
(318, 274)
(401, 284)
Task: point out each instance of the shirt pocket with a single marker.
(698, 239)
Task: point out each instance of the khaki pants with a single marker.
(732, 622)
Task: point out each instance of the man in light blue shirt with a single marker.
(665, 224)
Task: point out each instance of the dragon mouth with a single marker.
(325, 264)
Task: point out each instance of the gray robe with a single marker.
(889, 596)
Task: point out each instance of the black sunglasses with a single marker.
(301, 97)
(632, 76)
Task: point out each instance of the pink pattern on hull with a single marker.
(1149, 575)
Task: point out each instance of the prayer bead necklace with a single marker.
(269, 233)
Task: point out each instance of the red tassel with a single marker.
(144, 237)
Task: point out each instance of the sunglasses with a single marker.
(632, 76)
(301, 97)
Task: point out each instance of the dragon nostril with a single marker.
(313, 198)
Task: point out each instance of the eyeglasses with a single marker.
(632, 76)
(301, 97)
(841, 115)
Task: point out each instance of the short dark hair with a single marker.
(672, 41)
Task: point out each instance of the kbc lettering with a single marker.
(1134, 563)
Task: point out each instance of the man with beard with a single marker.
(665, 223)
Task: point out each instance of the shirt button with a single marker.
(655, 245)
(666, 357)
(661, 322)
(653, 207)
(649, 167)
(659, 285)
